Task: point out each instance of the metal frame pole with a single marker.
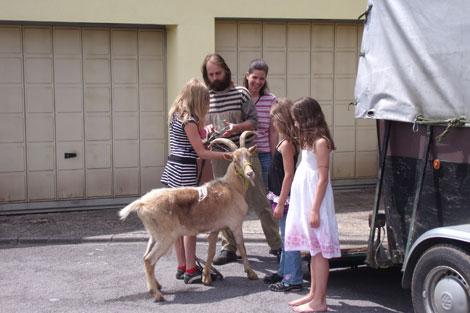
(378, 191)
(419, 188)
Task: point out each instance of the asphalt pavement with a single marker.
(90, 261)
(109, 277)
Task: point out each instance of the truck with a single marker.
(413, 78)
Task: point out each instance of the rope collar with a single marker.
(241, 173)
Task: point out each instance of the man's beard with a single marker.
(219, 85)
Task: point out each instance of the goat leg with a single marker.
(153, 285)
(237, 233)
(206, 274)
(150, 259)
(150, 245)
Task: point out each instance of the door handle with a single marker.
(68, 155)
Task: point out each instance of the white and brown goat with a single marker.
(168, 213)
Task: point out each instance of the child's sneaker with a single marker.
(284, 287)
(272, 278)
(194, 277)
(179, 274)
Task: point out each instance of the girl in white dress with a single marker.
(311, 222)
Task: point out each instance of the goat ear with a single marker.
(252, 149)
(228, 156)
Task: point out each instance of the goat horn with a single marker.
(225, 141)
(243, 136)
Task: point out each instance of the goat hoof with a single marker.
(154, 292)
(159, 298)
(251, 274)
(157, 295)
(207, 280)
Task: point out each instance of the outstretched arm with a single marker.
(192, 132)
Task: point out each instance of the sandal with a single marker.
(215, 274)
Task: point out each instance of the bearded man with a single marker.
(231, 112)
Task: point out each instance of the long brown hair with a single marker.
(192, 101)
(219, 60)
(282, 120)
(311, 124)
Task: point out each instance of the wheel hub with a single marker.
(446, 292)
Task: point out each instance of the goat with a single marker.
(168, 213)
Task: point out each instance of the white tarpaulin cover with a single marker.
(415, 60)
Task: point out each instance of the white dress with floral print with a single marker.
(299, 235)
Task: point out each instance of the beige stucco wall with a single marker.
(190, 24)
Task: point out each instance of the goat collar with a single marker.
(202, 191)
(241, 173)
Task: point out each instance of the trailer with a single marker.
(414, 80)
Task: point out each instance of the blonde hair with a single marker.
(192, 101)
(282, 120)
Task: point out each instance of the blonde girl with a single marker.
(186, 120)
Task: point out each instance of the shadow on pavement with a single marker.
(367, 284)
(348, 290)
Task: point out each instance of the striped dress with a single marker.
(263, 107)
(180, 169)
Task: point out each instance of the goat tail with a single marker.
(134, 206)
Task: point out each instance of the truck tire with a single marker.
(441, 281)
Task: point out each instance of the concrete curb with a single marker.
(110, 239)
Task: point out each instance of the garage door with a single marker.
(82, 112)
(310, 59)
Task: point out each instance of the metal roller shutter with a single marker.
(82, 112)
(309, 59)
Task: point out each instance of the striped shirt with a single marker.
(179, 142)
(180, 169)
(233, 105)
(263, 107)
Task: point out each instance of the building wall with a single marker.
(190, 24)
(50, 51)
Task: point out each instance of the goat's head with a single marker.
(240, 157)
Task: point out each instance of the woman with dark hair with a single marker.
(266, 136)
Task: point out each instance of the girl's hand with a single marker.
(209, 129)
(278, 212)
(315, 220)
